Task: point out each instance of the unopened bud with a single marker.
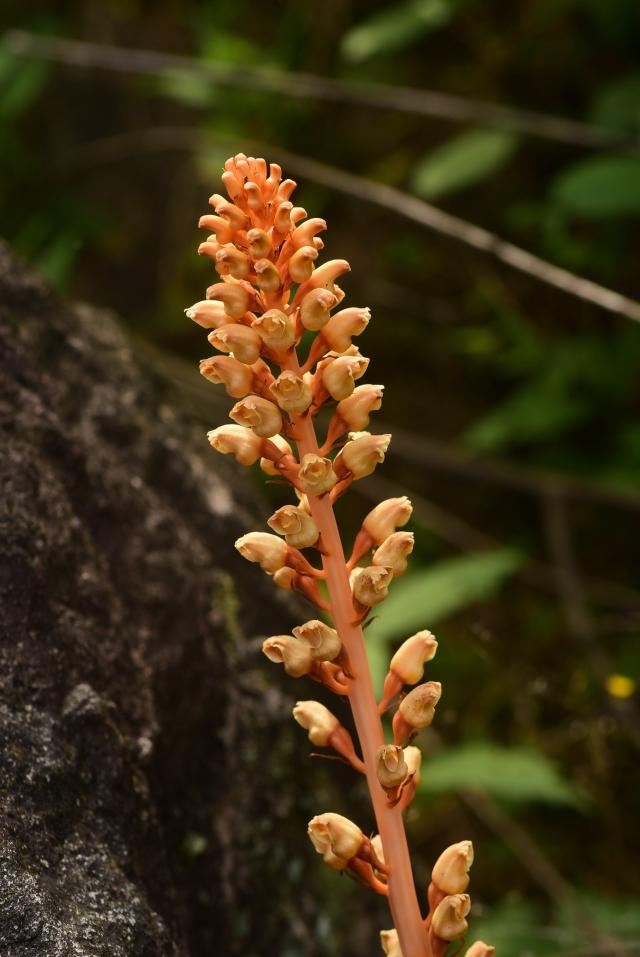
(413, 758)
(229, 211)
(275, 329)
(234, 296)
(480, 949)
(301, 263)
(285, 650)
(267, 276)
(419, 706)
(243, 444)
(335, 837)
(383, 520)
(296, 525)
(316, 474)
(361, 454)
(448, 920)
(317, 721)
(371, 585)
(286, 578)
(242, 341)
(391, 766)
(259, 243)
(303, 235)
(216, 224)
(282, 220)
(390, 943)
(227, 370)
(268, 550)
(323, 641)
(209, 313)
(315, 308)
(267, 464)
(291, 392)
(343, 325)
(408, 661)
(326, 274)
(451, 871)
(393, 552)
(339, 375)
(231, 261)
(254, 196)
(356, 408)
(258, 414)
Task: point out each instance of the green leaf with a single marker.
(515, 774)
(468, 158)
(602, 187)
(617, 105)
(21, 81)
(395, 27)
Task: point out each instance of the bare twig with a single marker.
(446, 106)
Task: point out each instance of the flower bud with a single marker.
(259, 243)
(254, 196)
(268, 550)
(339, 375)
(275, 329)
(291, 392)
(391, 766)
(335, 837)
(323, 641)
(304, 234)
(383, 520)
(448, 920)
(301, 263)
(258, 414)
(242, 341)
(226, 370)
(343, 325)
(220, 227)
(408, 661)
(317, 721)
(285, 650)
(242, 443)
(315, 307)
(267, 464)
(371, 585)
(356, 408)
(451, 871)
(267, 276)
(296, 525)
(418, 707)
(229, 211)
(413, 758)
(361, 454)
(209, 248)
(393, 552)
(286, 578)
(326, 274)
(282, 219)
(390, 943)
(316, 474)
(234, 296)
(209, 313)
(480, 949)
(232, 262)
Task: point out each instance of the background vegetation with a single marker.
(513, 404)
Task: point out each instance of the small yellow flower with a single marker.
(620, 686)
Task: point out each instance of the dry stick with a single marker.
(403, 99)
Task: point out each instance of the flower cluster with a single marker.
(271, 303)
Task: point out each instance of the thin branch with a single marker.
(433, 103)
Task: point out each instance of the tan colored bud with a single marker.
(208, 313)
(285, 578)
(292, 392)
(285, 650)
(242, 341)
(267, 464)
(335, 837)
(226, 370)
(377, 848)
(326, 274)
(232, 262)
(243, 444)
(316, 474)
(234, 296)
(413, 758)
(480, 949)
(317, 721)
(383, 520)
(361, 454)
(448, 920)
(323, 641)
(356, 408)
(282, 220)
(301, 263)
(315, 309)
(259, 243)
(258, 414)
(210, 248)
(343, 325)
(267, 275)
(451, 871)
(339, 375)
(268, 550)
(217, 225)
(229, 211)
(391, 766)
(296, 525)
(304, 234)
(393, 552)
(371, 585)
(275, 329)
(254, 196)
(390, 943)
(419, 706)
(408, 661)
